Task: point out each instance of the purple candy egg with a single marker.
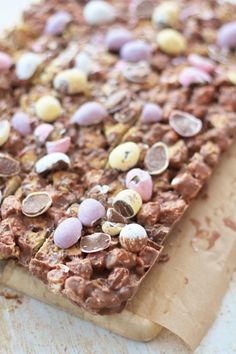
(57, 23)
(42, 132)
(90, 211)
(89, 113)
(227, 36)
(151, 113)
(117, 37)
(201, 63)
(190, 75)
(21, 122)
(136, 51)
(5, 61)
(141, 182)
(67, 233)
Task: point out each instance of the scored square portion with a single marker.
(119, 118)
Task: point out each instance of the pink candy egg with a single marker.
(21, 122)
(90, 211)
(42, 132)
(61, 145)
(151, 113)
(141, 182)
(67, 233)
(117, 37)
(136, 51)
(190, 75)
(201, 63)
(89, 113)
(57, 23)
(227, 36)
(5, 61)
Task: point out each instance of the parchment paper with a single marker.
(184, 293)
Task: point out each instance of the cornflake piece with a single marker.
(4, 131)
(185, 124)
(36, 204)
(133, 237)
(95, 242)
(137, 72)
(51, 162)
(156, 159)
(8, 166)
(67, 233)
(127, 203)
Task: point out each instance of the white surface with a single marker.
(32, 327)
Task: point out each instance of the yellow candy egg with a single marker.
(71, 81)
(124, 156)
(48, 108)
(127, 203)
(167, 14)
(4, 131)
(171, 41)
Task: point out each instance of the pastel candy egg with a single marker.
(61, 145)
(67, 233)
(42, 132)
(71, 81)
(53, 161)
(152, 113)
(84, 63)
(21, 122)
(57, 23)
(27, 65)
(89, 113)
(4, 131)
(189, 76)
(116, 38)
(201, 63)
(5, 61)
(171, 41)
(90, 211)
(98, 12)
(124, 156)
(136, 51)
(227, 35)
(127, 203)
(48, 108)
(141, 182)
(133, 237)
(167, 14)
